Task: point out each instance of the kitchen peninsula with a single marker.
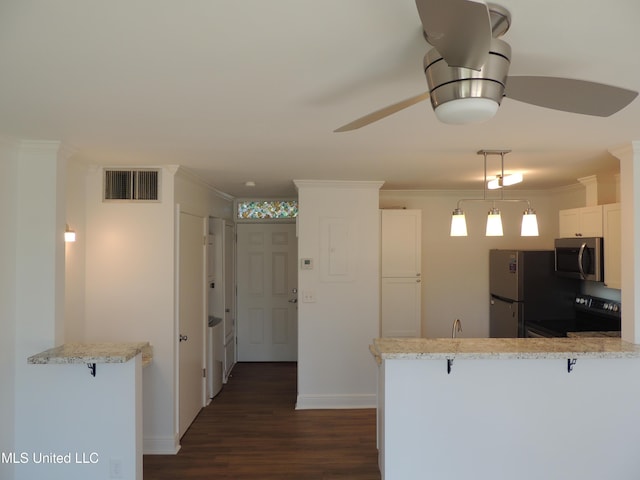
(496, 409)
(92, 411)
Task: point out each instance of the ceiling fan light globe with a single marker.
(462, 111)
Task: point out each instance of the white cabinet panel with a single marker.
(401, 243)
(581, 222)
(612, 238)
(400, 307)
(401, 261)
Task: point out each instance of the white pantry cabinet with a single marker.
(612, 225)
(401, 243)
(400, 306)
(401, 262)
(581, 222)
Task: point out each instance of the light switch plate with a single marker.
(308, 296)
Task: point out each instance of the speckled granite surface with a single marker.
(507, 348)
(94, 353)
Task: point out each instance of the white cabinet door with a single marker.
(400, 307)
(612, 237)
(569, 223)
(591, 221)
(581, 222)
(401, 244)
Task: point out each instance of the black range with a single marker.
(591, 314)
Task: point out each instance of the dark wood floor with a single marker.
(251, 430)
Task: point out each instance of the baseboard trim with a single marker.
(325, 402)
(160, 445)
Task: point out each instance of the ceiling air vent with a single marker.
(131, 184)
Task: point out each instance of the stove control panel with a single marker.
(600, 305)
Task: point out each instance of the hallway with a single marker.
(252, 431)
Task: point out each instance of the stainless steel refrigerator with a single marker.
(523, 286)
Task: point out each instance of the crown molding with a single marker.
(346, 184)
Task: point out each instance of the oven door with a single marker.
(538, 331)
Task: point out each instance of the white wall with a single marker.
(74, 305)
(199, 198)
(339, 228)
(8, 218)
(455, 270)
(39, 283)
(128, 289)
(130, 292)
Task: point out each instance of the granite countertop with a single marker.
(594, 334)
(94, 353)
(502, 348)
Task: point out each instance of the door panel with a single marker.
(191, 319)
(400, 307)
(504, 318)
(267, 275)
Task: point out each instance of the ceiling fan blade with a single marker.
(459, 29)
(382, 113)
(569, 95)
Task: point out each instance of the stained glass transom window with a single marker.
(268, 209)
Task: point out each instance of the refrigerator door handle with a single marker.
(495, 297)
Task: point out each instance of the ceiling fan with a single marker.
(467, 70)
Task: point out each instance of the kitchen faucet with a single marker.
(457, 327)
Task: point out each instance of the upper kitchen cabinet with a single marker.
(401, 243)
(581, 222)
(612, 245)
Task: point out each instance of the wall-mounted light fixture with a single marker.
(529, 227)
(69, 235)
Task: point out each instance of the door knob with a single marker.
(183, 338)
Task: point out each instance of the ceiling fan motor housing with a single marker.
(448, 86)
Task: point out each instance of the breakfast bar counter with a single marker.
(523, 408)
(119, 352)
(505, 348)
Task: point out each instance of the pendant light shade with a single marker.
(529, 223)
(494, 223)
(458, 224)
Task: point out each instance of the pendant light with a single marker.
(529, 227)
(529, 223)
(458, 224)
(494, 223)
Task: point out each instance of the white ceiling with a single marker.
(253, 89)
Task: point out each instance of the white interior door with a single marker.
(191, 319)
(267, 256)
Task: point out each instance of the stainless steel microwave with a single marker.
(580, 257)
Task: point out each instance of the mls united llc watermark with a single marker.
(50, 457)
